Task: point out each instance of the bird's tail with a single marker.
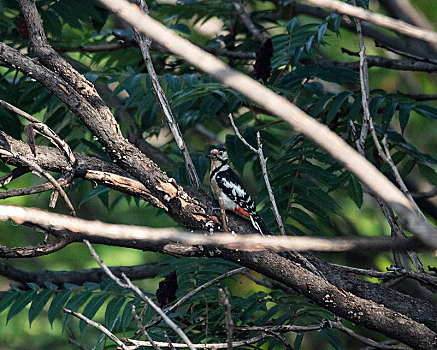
(259, 224)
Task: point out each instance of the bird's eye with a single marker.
(220, 153)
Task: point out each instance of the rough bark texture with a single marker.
(393, 302)
(394, 314)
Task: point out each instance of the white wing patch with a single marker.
(237, 191)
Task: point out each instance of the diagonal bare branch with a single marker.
(144, 43)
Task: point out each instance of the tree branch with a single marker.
(98, 326)
(144, 43)
(376, 18)
(135, 272)
(248, 22)
(254, 242)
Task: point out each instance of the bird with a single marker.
(227, 185)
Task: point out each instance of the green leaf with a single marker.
(320, 104)
(428, 173)
(426, 111)
(355, 191)
(298, 341)
(304, 219)
(112, 310)
(50, 285)
(407, 168)
(92, 307)
(387, 115)
(321, 32)
(7, 299)
(33, 286)
(91, 286)
(404, 115)
(74, 304)
(355, 109)
(19, 304)
(374, 105)
(96, 192)
(38, 304)
(57, 303)
(291, 24)
(127, 316)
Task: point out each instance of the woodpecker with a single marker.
(226, 184)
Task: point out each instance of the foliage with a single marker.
(313, 191)
(112, 305)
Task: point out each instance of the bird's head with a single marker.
(218, 156)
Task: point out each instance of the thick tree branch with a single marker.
(92, 169)
(291, 274)
(82, 99)
(164, 189)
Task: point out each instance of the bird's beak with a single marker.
(208, 156)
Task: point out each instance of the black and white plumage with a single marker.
(226, 184)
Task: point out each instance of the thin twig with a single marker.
(35, 167)
(322, 325)
(393, 272)
(14, 174)
(45, 131)
(364, 81)
(103, 265)
(224, 300)
(139, 343)
(169, 342)
(166, 319)
(263, 163)
(411, 55)
(368, 125)
(223, 213)
(143, 330)
(388, 63)
(127, 284)
(127, 42)
(144, 43)
(248, 22)
(197, 290)
(65, 181)
(99, 326)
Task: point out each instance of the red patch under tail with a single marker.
(242, 212)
